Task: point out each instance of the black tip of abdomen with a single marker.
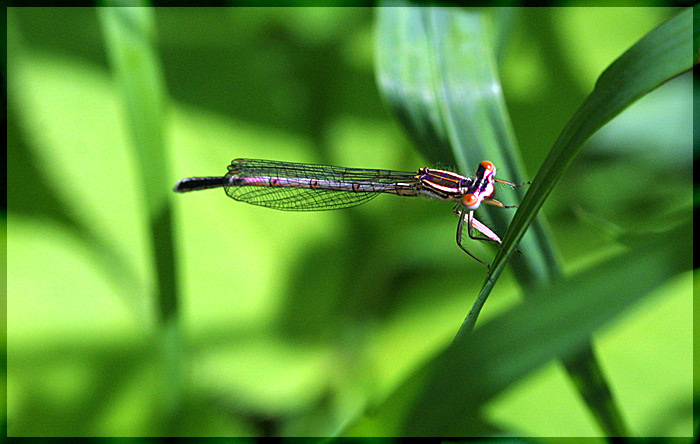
(198, 183)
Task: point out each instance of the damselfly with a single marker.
(302, 187)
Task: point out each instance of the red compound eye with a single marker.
(488, 165)
(470, 200)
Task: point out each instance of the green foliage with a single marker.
(300, 324)
(662, 55)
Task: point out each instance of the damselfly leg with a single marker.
(472, 222)
(511, 184)
(481, 189)
(496, 203)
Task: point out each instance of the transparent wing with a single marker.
(301, 187)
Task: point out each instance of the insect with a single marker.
(304, 187)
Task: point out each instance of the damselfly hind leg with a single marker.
(474, 224)
(497, 203)
(460, 227)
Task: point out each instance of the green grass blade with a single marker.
(661, 55)
(437, 69)
(43, 200)
(651, 60)
(129, 36)
(557, 322)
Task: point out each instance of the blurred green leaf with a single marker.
(556, 322)
(130, 39)
(661, 55)
(258, 329)
(654, 60)
(45, 199)
(436, 67)
(658, 57)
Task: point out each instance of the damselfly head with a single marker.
(486, 169)
(488, 166)
(471, 201)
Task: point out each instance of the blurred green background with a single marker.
(294, 323)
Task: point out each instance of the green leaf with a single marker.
(660, 56)
(556, 322)
(436, 67)
(130, 39)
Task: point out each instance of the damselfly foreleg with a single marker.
(497, 203)
(511, 184)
